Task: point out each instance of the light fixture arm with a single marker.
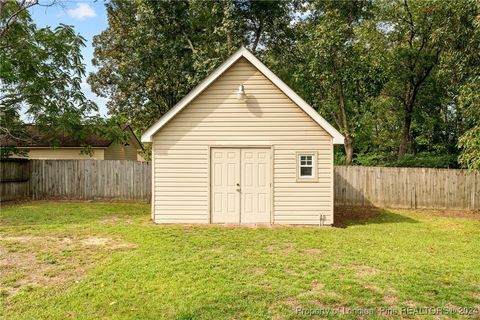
(241, 95)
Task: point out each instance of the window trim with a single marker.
(314, 176)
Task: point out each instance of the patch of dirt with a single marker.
(344, 214)
(22, 239)
(292, 272)
(116, 220)
(28, 261)
(240, 226)
(372, 288)
(476, 295)
(411, 303)
(218, 249)
(364, 271)
(312, 252)
(282, 248)
(289, 303)
(107, 243)
(95, 241)
(335, 266)
(451, 213)
(258, 271)
(390, 298)
(453, 226)
(316, 288)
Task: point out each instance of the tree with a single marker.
(335, 70)
(470, 143)
(40, 75)
(418, 34)
(469, 102)
(266, 22)
(154, 52)
(394, 76)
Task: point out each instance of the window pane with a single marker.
(306, 171)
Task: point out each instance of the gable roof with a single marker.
(133, 136)
(41, 140)
(243, 52)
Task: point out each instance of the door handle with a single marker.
(238, 184)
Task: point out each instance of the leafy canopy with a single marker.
(41, 74)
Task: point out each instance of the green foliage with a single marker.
(41, 73)
(266, 23)
(400, 79)
(469, 103)
(423, 159)
(422, 38)
(371, 159)
(339, 76)
(425, 52)
(470, 143)
(396, 77)
(429, 160)
(154, 52)
(426, 160)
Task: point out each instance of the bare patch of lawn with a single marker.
(28, 261)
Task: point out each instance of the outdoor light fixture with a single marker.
(241, 93)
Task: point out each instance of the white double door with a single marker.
(240, 185)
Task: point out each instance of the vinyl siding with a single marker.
(217, 118)
(64, 154)
(120, 152)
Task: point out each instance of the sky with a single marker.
(89, 18)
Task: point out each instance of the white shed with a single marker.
(242, 147)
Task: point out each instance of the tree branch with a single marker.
(190, 44)
(23, 5)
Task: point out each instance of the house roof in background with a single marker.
(338, 138)
(39, 140)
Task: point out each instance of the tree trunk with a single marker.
(258, 34)
(412, 88)
(407, 122)
(226, 22)
(408, 103)
(348, 145)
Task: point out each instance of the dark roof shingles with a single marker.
(41, 140)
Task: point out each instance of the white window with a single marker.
(306, 166)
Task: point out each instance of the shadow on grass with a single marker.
(350, 216)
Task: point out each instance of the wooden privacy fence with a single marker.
(131, 180)
(86, 179)
(407, 187)
(14, 179)
(90, 179)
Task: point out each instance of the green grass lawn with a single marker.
(107, 260)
